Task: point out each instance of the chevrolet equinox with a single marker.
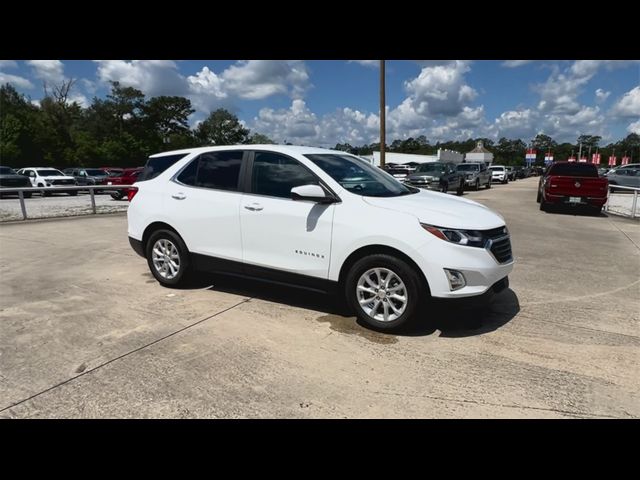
(317, 219)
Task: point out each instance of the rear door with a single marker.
(278, 232)
(203, 200)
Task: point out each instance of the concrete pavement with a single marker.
(86, 332)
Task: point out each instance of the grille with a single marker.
(62, 182)
(501, 249)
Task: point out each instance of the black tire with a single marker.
(543, 205)
(460, 190)
(477, 185)
(539, 197)
(505, 181)
(444, 188)
(411, 279)
(74, 193)
(117, 195)
(26, 194)
(47, 194)
(488, 185)
(183, 256)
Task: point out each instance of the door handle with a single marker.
(179, 196)
(254, 207)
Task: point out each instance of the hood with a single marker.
(442, 210)
(423, 175)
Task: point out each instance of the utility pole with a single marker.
(382, 115)
(580, 152)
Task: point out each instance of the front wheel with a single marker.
(168, 258)
(488, 184)
(384, 291)
(444, 188)
(460, 190)
(476, 187)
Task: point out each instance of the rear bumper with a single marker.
(137, 246)
(564, 200)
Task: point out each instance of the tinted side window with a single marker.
(188, 175)
(219, 170)
(275, 175)
(155, 166)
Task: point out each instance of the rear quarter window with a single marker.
(156, 165)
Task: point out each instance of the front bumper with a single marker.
(498, 178)
(470, 181)
(480, 268)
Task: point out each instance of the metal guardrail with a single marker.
(62, 188)
(634, 202)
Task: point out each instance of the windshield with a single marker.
(50, 173)
(358, 177)
(496, 168)
(431, 168)
(6, 171)
(94, 172)
(467, 167)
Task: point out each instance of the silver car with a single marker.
(627, 176)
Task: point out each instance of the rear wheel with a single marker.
(73, 193)
(168, 258)
(117, 195)
(384, 291)
(539, 197)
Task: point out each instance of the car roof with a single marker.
(40, 168)
(286, 149)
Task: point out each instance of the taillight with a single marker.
(132, 193)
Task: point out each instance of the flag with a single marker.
(625, 160)
(612, 160)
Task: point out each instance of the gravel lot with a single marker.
(59, 205)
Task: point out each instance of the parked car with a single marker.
(50, 178)
(440, 176)
(572, 183)
(87, 176)
(399, 171)
(603, 172)
(626, 176)
(522, 172)
(512, 174)
(475, 174)
(318, 219)
(499, 174)
(128, 177)
(10, 179)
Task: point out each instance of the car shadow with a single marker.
(452, 318)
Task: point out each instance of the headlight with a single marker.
(470, 238)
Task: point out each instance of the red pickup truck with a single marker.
(128, 177)
(572, 183)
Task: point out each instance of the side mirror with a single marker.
(314, 193)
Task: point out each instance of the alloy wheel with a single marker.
(166, 259)
(382, 294)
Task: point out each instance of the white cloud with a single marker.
(15, 80)
(515, 63)
(8, 64)
(50, 71)
(79, 98)
(634, 127)
(628, 105)
(258, 79)
(153, 77)
(367, 63)
(601, 95)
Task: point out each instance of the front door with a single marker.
(278, 232)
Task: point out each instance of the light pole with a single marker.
(382, 115)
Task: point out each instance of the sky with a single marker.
(324, 102)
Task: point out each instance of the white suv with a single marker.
(318, 219)
(499, 174)
(49, 177)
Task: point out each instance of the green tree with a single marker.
(221, 128)
(260, 139)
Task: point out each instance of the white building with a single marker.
(401, 158)
(479, 154)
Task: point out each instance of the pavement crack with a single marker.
(158, 340)
(625, 234)
(503, 405)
